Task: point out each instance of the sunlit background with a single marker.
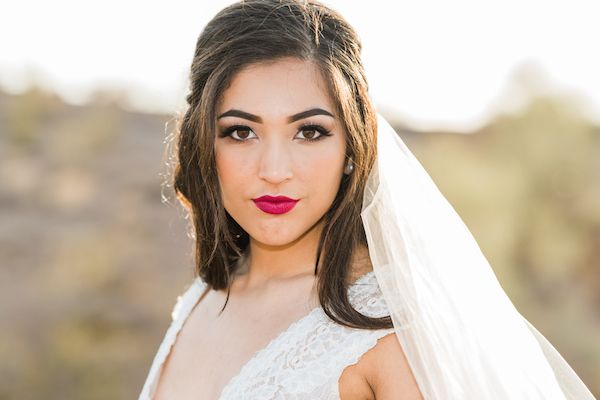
(500, 101)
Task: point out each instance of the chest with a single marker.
(212, 347)
(289, 349)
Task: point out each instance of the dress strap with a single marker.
(183, 307)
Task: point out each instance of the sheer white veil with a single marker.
(461, 334)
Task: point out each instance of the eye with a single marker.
(240, 133)
(313, 132)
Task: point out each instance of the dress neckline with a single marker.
(258, 354)
(291, 328)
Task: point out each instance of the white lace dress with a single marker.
(305, 361)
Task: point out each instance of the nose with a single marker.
(275, 162)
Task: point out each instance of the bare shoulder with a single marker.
(383, 372)
(387, 371)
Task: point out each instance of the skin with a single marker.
(276, 158)
(272, 156)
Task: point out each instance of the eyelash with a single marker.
(307, 127)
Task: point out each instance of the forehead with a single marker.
(276, 88)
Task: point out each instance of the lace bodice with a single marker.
(303, 362)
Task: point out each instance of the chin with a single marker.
(274, 241)
(275, 238)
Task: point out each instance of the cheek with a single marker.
(232, 172)
(323, 171)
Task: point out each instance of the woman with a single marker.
(315, 277)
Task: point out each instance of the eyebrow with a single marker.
(257, 119)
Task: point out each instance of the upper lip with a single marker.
(274, 199)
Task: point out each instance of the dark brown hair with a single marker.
(259, 31)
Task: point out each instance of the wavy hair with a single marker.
(259, 31)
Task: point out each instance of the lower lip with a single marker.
(271, 207)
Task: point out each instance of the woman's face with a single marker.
(278, 135)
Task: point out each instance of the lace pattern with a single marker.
(303, 362)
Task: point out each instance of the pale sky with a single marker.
(438, 64)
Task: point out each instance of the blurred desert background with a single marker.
(94, 250)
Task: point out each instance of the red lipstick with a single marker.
(275, 204)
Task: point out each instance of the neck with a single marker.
(266, 264)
